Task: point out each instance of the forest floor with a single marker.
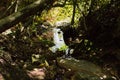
(25, 56)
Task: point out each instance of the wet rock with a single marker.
(83, 70)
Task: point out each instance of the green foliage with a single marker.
(45, 42)
(26, 45)
(63, 47)
(59, 13)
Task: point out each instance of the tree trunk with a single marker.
(31, 9)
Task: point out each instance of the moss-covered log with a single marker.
(31, 9)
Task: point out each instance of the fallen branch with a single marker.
(15, 18)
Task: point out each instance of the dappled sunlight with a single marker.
(59, 40)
